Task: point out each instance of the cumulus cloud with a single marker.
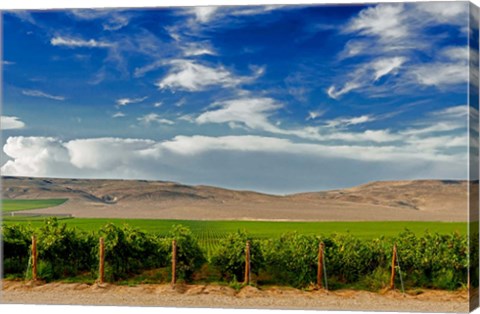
(191, 76)
(128, 101)
(261, 163)
(11, 123)
(78, 43)
(38, 93)
(154, 118)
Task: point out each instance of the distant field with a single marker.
(261, 229)
(17, 205)
(210, 232)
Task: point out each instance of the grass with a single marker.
(210, 232)
(9, 205)
(261, 229)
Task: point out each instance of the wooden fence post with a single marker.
(247, 264)
(101, 267)
(394, 260)
(34, 258)
(321, 252)
(174, 262)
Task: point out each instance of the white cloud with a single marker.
(216, 14)
(203, 14)
(118, 115)
(441, 74)
(112, 20)
(197, 49)
(154, 118)
(191, 76)
(332, 91)
(312, 115)
(444, 12)
(252, 112)
(158, 104)
(385, 21)
(6, 62)
(127, 101)
(261, 163)
(385, 66)
(11, 123)
(343, 122)
(141, 71)
(367, 74)
(78, 43)
(37, 93)
(399, 32)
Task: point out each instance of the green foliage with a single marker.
(348, 259)
(293, 258)
(190, 256)
(433, 260)
(129, 250)
(16, 248)
(229, 256)
(63, 251)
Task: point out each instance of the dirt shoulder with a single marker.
(216, 296)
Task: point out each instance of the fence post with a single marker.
(247, 264)
(394, 260)
(174, 262)
(34, 258)
(321, 251)
(101, 267)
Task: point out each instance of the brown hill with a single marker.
(423, 200)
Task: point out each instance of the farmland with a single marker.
(9, 205)
(209, 233)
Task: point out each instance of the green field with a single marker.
(17, 205)
(210, 232)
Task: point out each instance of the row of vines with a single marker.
(430, 261)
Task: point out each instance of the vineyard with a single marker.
(431, 260)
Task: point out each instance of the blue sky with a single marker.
(279, 99)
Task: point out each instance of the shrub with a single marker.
(63, 251)
(129, 250)
(190, 257)
(229, 256)
(293, 259)
(16, 249)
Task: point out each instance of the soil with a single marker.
(218, 296)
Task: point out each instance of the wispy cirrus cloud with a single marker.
(118, 114)
(78, 43)
(154, 118)
(189, 75)
(367, 74)
(38, 93)
(128, 101)
(11, 123)
(393, 37)
(111, 20)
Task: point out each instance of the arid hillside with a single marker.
(423, 200)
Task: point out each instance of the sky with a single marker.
(277, 99)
